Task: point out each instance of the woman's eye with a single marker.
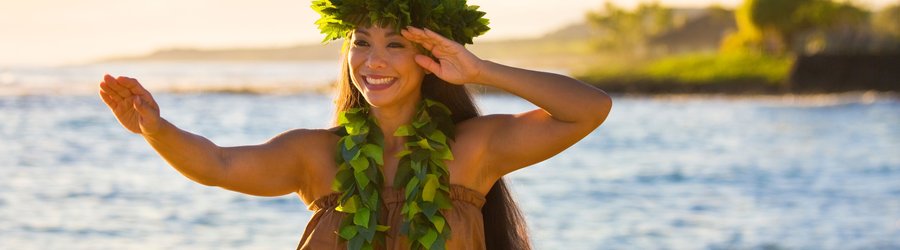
(360, 43)
(396, 45)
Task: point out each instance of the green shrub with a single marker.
(705, 68)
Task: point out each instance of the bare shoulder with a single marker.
(482, 124)
(470, 149)
(314, 150)
(308, 144)
(477, 130)
(304, 136)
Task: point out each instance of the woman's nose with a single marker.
(376, 60)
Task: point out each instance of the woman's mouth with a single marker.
(379, 82)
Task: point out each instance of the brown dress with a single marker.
(465, 221)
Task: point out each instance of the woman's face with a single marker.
(383, 67)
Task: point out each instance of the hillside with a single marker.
(551, 50)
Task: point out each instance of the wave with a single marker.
(89, 89)
(797, 100)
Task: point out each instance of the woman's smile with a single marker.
(377, 82)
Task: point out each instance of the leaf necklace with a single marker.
(420, 169)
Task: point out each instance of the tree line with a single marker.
(770, 26)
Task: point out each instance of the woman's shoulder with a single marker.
(306, 138)
(301, 133)
(481, 124)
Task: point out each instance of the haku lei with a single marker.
(421, 170)
(453, 19)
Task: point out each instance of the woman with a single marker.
(415, 166)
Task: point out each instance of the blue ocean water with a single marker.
(777, 172)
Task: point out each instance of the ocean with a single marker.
(664, 172)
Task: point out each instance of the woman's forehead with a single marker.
(377, 31)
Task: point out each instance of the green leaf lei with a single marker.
(453, 19)
(421, 171)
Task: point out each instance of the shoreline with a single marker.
(819, 99)
(327, 89)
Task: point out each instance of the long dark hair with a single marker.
(504, 224)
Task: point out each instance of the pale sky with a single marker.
(53, 32)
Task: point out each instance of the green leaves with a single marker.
(374, 152)
(361, 217)
(347, 232)
(431, 186)
(428, 238)
(405, 130)
(359, 178)
(455, 20)
(351, 206)
(421, 169)
(438, 222)
(425, 175)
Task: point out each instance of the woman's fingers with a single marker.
(116, 86)
(123, 89)
(108, 92)
(428, 63)
(106, 88)
(428, 36)
(438, 37)
(131, 85)
(418, 36)
(109, 100)
(136, 89)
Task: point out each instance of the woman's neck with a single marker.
(392, 117)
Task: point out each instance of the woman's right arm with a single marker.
(269, 169)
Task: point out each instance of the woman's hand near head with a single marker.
(569, 109)
(455, 64)
(132, 105)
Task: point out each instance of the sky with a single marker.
(56, 32)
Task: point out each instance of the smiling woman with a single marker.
(410, 164)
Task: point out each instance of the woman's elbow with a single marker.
(601, 105)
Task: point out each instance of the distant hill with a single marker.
(293, 53)
(570, 47)
(568, 40)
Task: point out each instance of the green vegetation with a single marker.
(791, 25)
(756, 53)
(630, 30)
(699, 69)
(708, 68)
(887, 21)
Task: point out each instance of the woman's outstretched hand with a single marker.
(133, 105)
(455, 63)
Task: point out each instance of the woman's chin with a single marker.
(378, 99)
(384, 98)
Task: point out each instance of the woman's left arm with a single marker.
(569, 109)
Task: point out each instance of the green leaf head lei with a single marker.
(453, 19)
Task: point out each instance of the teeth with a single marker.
(379, 81)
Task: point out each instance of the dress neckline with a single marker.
(392, 195)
